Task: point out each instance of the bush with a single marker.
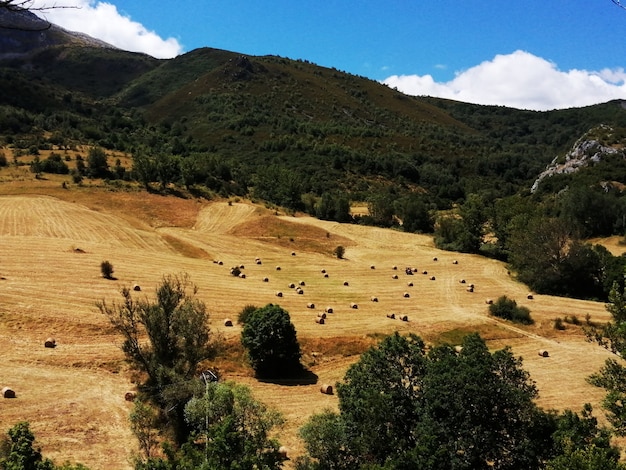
(508, 309)
(339, 252)
(245, 313)
(271, 342)
(106, 269)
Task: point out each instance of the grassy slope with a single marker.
(73, 395)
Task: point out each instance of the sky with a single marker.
(530, 54)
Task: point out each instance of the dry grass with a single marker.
(74, 394)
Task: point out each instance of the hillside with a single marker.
(53, 240)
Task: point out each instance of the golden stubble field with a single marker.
(53, 240)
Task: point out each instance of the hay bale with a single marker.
(391, 315)
(321, 315)
(292, 285)
(326, 275)
(462, 281)
(354, 305)
(323, 271)
(328, 310)
(228, 322)
(136, 287)
(435, 258)
(372, 267)
(544, 353)
(279, 294)
(346, 283)
(432, 278)
(530, 296)
(404, 317)
(130, 396)
(50, 343)
(300, 291)
(301, 283)
(395, 268)
(320, 320)
(242, 276)
(471, 285)
(220, 263)
(410, 284)
(258, 261)
(277, 268)
(374, 298)
(489, 301)
(326, 389)
(407, 295)
(395, 276)
(241, 266)
(424, 272)
(470, 289)
(266, 279)
(458, 349)
(283, 453)
(8, 392)
(293, 253)
(310, 305)
(415, 270)
(455, 262)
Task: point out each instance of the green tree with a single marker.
(106, 269)
(18, 452)
(97, 166)
(271, 341)
(508, 309)
(176, 326)
(404, 407)
(339, 251)
(236, 428)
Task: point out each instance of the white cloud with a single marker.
(520, 80)
(103, 21)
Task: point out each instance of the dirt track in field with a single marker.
(73, 396)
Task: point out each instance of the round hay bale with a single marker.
(321, 315)
(8, 392)
(455, 262)
(328, 310)
(292, 285)
(277, 268)
(489, 301)
(323, 271)
(395, 276)
(266, 279)
(415, 270)
(283, 453)
(300, 291)
(432, 278)
(374, 298)
(258, 261)
(470, 289)
(354, 305)
(435, 258)
(293, 253)
(228, 322)
(346, 283)
(320, 320)
(407, 295)
(136, 287)
(372, 267)
(391, 315)
(241, 266)
(395, 268)
(530, 297)
(544, 353)
(424, 272)
(462, 281)
(471, 285)
(326, 275)
(301, 283)
(410, 284)
(310, 305)
(279, 294)
(50, 343)
(242, 276)
(130, 396)
(326, 389)
(404, 317)
(220, 263)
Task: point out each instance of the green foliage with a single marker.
(97, 165)
(403, 407)
(339, 251)
(176, 325)
(106, 269)
(245, 313)
(271, 342)
(143, 424)
(508, 309)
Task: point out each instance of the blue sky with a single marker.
(535, 54)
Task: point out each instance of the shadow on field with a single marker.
(304, 377)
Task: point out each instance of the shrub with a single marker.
(339, 252)
(106, 269)
(245, 313)
(508, 309)
(558, 324)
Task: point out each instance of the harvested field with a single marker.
(49, 289)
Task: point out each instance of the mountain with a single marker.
(273, 126)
